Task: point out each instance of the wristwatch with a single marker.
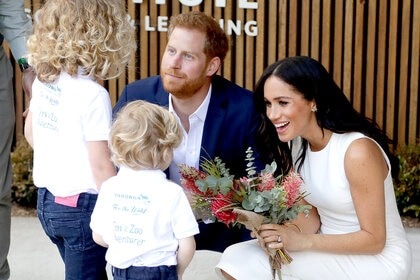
(23, 64)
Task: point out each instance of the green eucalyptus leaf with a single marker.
(225, 185)
(211, 181)
(201, 185)
(247, 205)
(225, 182)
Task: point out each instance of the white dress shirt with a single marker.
(189, 150)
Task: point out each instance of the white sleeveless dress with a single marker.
(329, 191)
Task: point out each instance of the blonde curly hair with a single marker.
(95, 35)
(144, 135)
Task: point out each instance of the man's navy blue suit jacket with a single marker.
(229, 129)
(230, 125)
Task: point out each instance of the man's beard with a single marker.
(185, 89)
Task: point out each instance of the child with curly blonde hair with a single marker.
(75, 44)
(144, 219)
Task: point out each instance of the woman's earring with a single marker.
(314, 109)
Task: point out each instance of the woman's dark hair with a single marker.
(334, 110)
(271, 148)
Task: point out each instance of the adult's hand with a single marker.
(28, 77)
(290, 238)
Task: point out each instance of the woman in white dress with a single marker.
(354, 230)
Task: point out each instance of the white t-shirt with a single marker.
(65, 116)
(141, 215)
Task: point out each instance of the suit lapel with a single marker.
(213, 123)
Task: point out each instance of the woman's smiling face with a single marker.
(287, 109)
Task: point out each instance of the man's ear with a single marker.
(213, 65)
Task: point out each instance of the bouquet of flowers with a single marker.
(251, 201)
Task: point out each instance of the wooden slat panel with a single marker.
(292, 28)
(377, 75)
(381, 62)
(239, 46)
(370, 56)
(338, 43)
(184, 9)
(348, 49)
(261, 41)
(326, 34)
(208, 8)
(227, 65)
(358, 55)
(33, 5)
(162, 36)
(153, 46)
(305, 34)
(250, 54)
(392, 68)
(176, 8)
(273, 33)
(143, 43)
(132, 65)
(19, 104)
(315, 29)
(283, 27)
(112, 89)
(122, 81)
(413, 121)
(403, 72)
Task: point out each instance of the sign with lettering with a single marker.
(231, 27)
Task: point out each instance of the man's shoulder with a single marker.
(149, 81)
(222, 84)
(224, 89)
(149, 89)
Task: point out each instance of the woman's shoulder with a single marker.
(363, 147)
(347, 136)
(353, 145)
(366, 150)
(343, 141)
(354, 140)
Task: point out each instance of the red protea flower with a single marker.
(189, 175)
(266, 182)
(222, 206)
(291, 184)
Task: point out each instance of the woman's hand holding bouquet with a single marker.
(252, 201)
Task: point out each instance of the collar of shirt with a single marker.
(129, 172)
(189, 150)
(201, 111)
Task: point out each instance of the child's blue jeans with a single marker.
(162, 272)
(69, 229)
